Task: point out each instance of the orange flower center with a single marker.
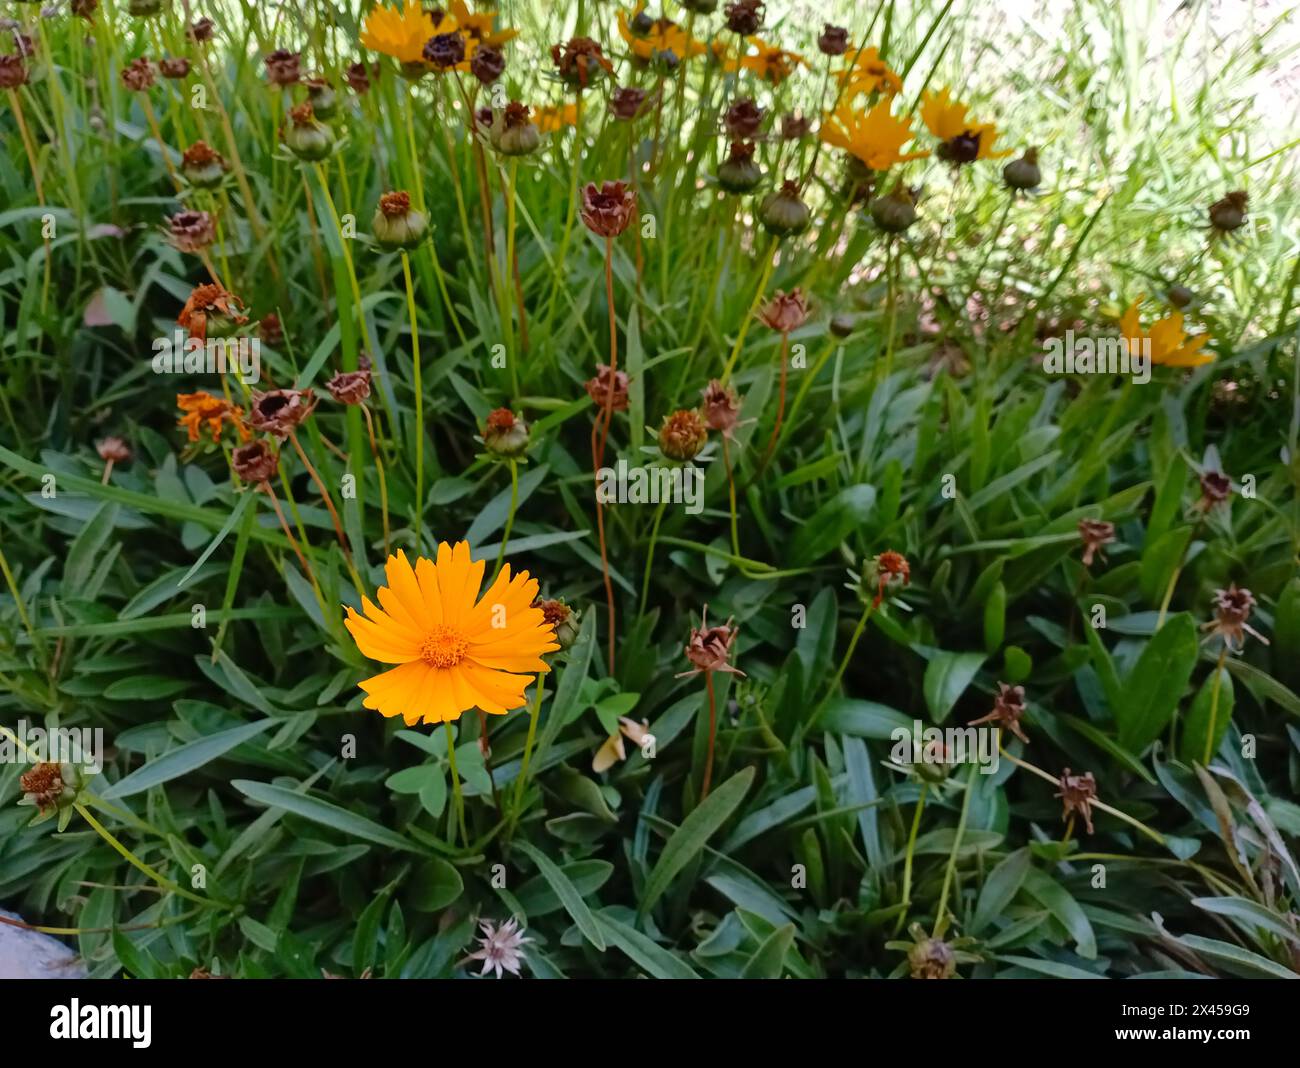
(444, 647)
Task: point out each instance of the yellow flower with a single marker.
(1170, 345)
(772, 64)
(870, 74)
(402, 34)
(664, 36)
(552, 118)
(478, 29)
(876, 137)
(454, 651)
(964, 140)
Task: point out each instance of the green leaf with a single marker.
(324, 813)
(185, 759)
(1208, 720)
(834, 521)
(435, 885)
(1065, 909)
(689, 838)
(567, 893)
(657, 961)
(768, 961)
(1000, 888)
(1159, 559)
(946, 677)
(862, 719)
(1156, 683)
(1236, 960)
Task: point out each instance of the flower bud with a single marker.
(843, 324)
(1179, 296)
(738, 173)
(320, 94)
(1023, 173)
(505, 434)
(565, 621)
(513, 133)
(894, 212)
(783, 213)
(203, 166)
(307, 138)
(52, 789)
(396, 224)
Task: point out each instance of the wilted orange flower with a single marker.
(554, 117)
(1170, 344)
(963, 140)
(772, 64)
(454, 650)
(206, 302)
(875, 137)
(203, 408)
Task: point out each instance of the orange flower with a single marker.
(772, 64)
(478, 29)
(869, 74)
(664, 35)
(1170, 345)
(402, 34)
(203, 408)
(875, 137)
(963, 140)
(454, 650)
(552, 118)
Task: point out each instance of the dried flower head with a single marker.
(1232, 609)
(833, 41)
(211, 310)
(1008, 708)
(606, 383)
(795, 126)
(283, 68)
(501, 947)
(444, 51)
(174, 67)
(785, 312)
(201, 30)
(270, 330)
(627, 102)
(580, 62)
(487, 64)
(43, 786)
(1077, 793)
(721, 408)
(745, 17)
(505, 434)
(203, 166)
(607, 210)
(113, 450)
(683, 434)
(1229, 214)
(85, 8)
(1216, 487)
(138, 75)
(255, 462)
(306, 136)
(192, 231)
(358, 77)
(1095, 533)
(514, 133)
(742, 120)
(350, 387)
(13, 71)
(279, 412)
(709, 648)
(932, 958)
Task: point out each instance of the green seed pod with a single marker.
(307, 138)
(783, 213)
(1023, 173)
(894, 212)
(396, 224)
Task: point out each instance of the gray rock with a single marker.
(31, 955)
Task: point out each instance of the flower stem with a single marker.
(510, 517)
(907, 863)
(419, 404)
(713, 731)
(753, 307)
(457, 796)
